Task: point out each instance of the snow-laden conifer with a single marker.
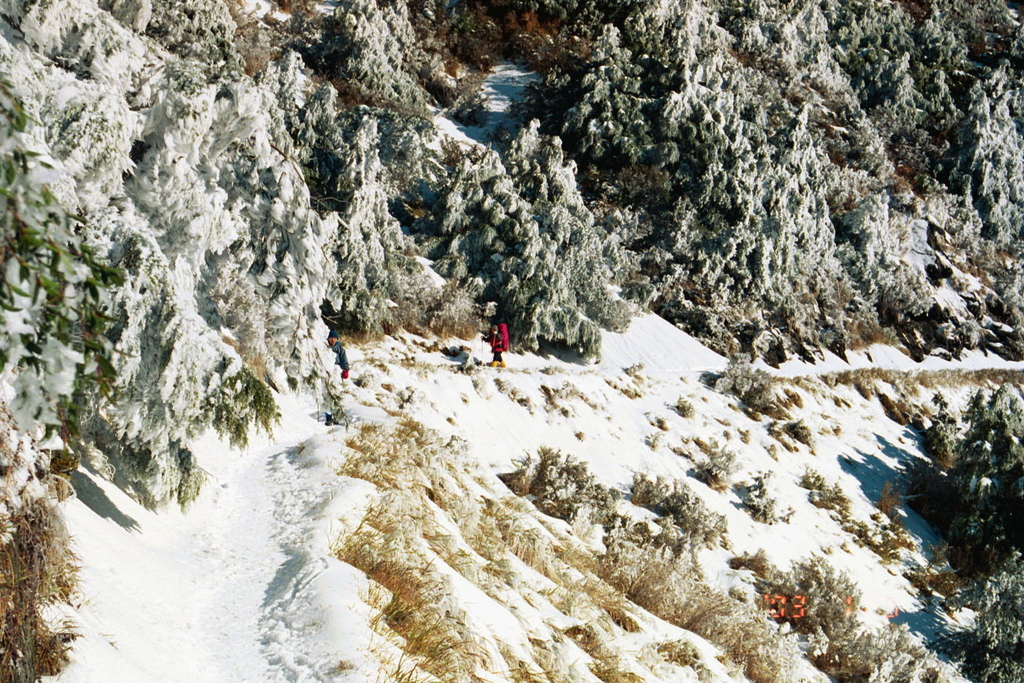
(50, 291)
(371, 266)
(371, 49)
(990, 164)
(992, 647)
(200, 31)
(522, 228)
(989, 477)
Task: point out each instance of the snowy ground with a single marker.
(501, 88)
(243, 586)
(226, 592)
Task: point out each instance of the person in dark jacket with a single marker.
(341, 359)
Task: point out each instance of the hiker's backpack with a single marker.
(503, 335)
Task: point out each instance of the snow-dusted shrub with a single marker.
(718, 467)
(824, 495)
(453, 313)
(937, 576)
(683, 408)
(752, 385)
(51, 290)
(891, 654)
(758, 500)
(674, 501)
(561, 486)
(757, 563)
(798, 430)
(134, 14)
(819, 600)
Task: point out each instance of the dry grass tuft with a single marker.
(757, 563)
(37, 568)
(680, 652)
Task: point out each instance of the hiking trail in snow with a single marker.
(224, 592)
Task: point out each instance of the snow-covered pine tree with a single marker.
(992, 649)
(941, 436)
(989, 478)
(53, 353)
(51, 292)
(200, 31)
(373, 268)
(607, 123)
(522, 232)
(185, 214)
(369, 50)
(990, 161)
(874, 243)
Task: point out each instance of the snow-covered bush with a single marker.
(822, 602)
(752, 385)
(675, 502)
(561, 486)
(684, 408)
(827, 606)
(717, 468)
(757, 498)
(824, 495)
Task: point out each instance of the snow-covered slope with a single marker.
(247, 584)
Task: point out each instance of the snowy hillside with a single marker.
(760, 263)
(326, 553)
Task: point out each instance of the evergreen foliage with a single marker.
(989, 478)
(369, 50)
(517, 229)
(753, 184)
(200, 31)
(990, 169)
(941, 436)
(52, 290)
(992, 650)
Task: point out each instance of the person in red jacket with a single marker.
(498, 339)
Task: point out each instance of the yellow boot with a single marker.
(494, 363)
(503, 364)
